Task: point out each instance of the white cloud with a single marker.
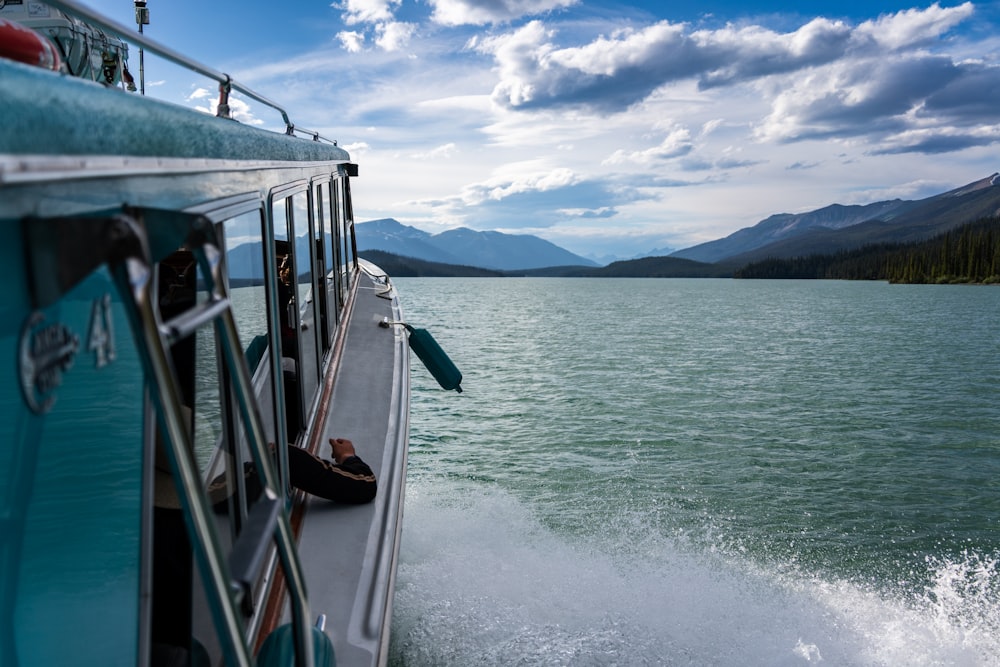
(351, 41)
(917, 102)
(483, 12)
(356, 148)
(238, 109)
(367, 11)
(914, 27)
(394, 35)
(616, 71)
(602, 212)
(199, 94)
(440, 152)
(709, 127)
(939, 140)
(676, 144)
(503, 187)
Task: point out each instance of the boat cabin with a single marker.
(186, 303)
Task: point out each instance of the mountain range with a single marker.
(837, 228)
(826, 230)
(829, 229)
(465, 247)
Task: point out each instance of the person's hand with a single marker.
(342, 449)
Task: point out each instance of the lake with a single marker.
(703, 472)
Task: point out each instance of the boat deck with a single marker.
(348, 552)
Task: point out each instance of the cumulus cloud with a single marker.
(375, 19)
(589, 213)
(676, 144)
(366, 11)
(855, 98)
(357, 148)
(536, 198)
(207, 101)
(914, 103)
(440, 152)
(943, 140)
(890, 80)
(483, 12)
(914, 27)
(351, 40)
(394, 35)
(621, 69)
(500, 188)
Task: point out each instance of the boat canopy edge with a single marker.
(86, 118)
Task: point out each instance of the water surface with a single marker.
(668, 472)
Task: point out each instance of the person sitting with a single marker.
(345, 479)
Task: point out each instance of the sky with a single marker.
(611, 129)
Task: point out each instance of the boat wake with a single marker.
(483, 581)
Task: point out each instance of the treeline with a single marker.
(966, 254)
(399, 266)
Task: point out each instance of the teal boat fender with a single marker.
(435, 359)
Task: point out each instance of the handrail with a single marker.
(224, 80)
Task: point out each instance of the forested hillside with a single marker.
(398, 266)
(967, 254)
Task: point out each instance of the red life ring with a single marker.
(27, 46)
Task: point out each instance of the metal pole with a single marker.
(142, 18)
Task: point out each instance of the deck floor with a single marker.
(348, 552)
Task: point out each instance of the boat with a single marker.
(159, 374)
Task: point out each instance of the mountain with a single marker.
(393, 237)
(463, 246)
(969, 253)
(788, 225)
(656, 252)
(838, 227)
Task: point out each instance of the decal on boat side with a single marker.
(46, 352)
(101, 339)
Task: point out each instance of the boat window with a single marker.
(245, 268)
(321, 214)
(244, 243)
(299, 360)
(288, 315)
(325, 214)
(347, 233)
(309, 317)
(337, 266)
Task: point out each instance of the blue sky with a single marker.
(610, 128)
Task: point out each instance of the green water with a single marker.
(703, 472)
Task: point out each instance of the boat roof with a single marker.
(86, 118)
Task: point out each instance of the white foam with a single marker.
(483, 582)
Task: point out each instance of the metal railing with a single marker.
(225, 81)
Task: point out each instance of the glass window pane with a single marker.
(245, 266)
(306, 304)
(321, 217)
(345, 236)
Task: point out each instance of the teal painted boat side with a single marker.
(70, 481)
